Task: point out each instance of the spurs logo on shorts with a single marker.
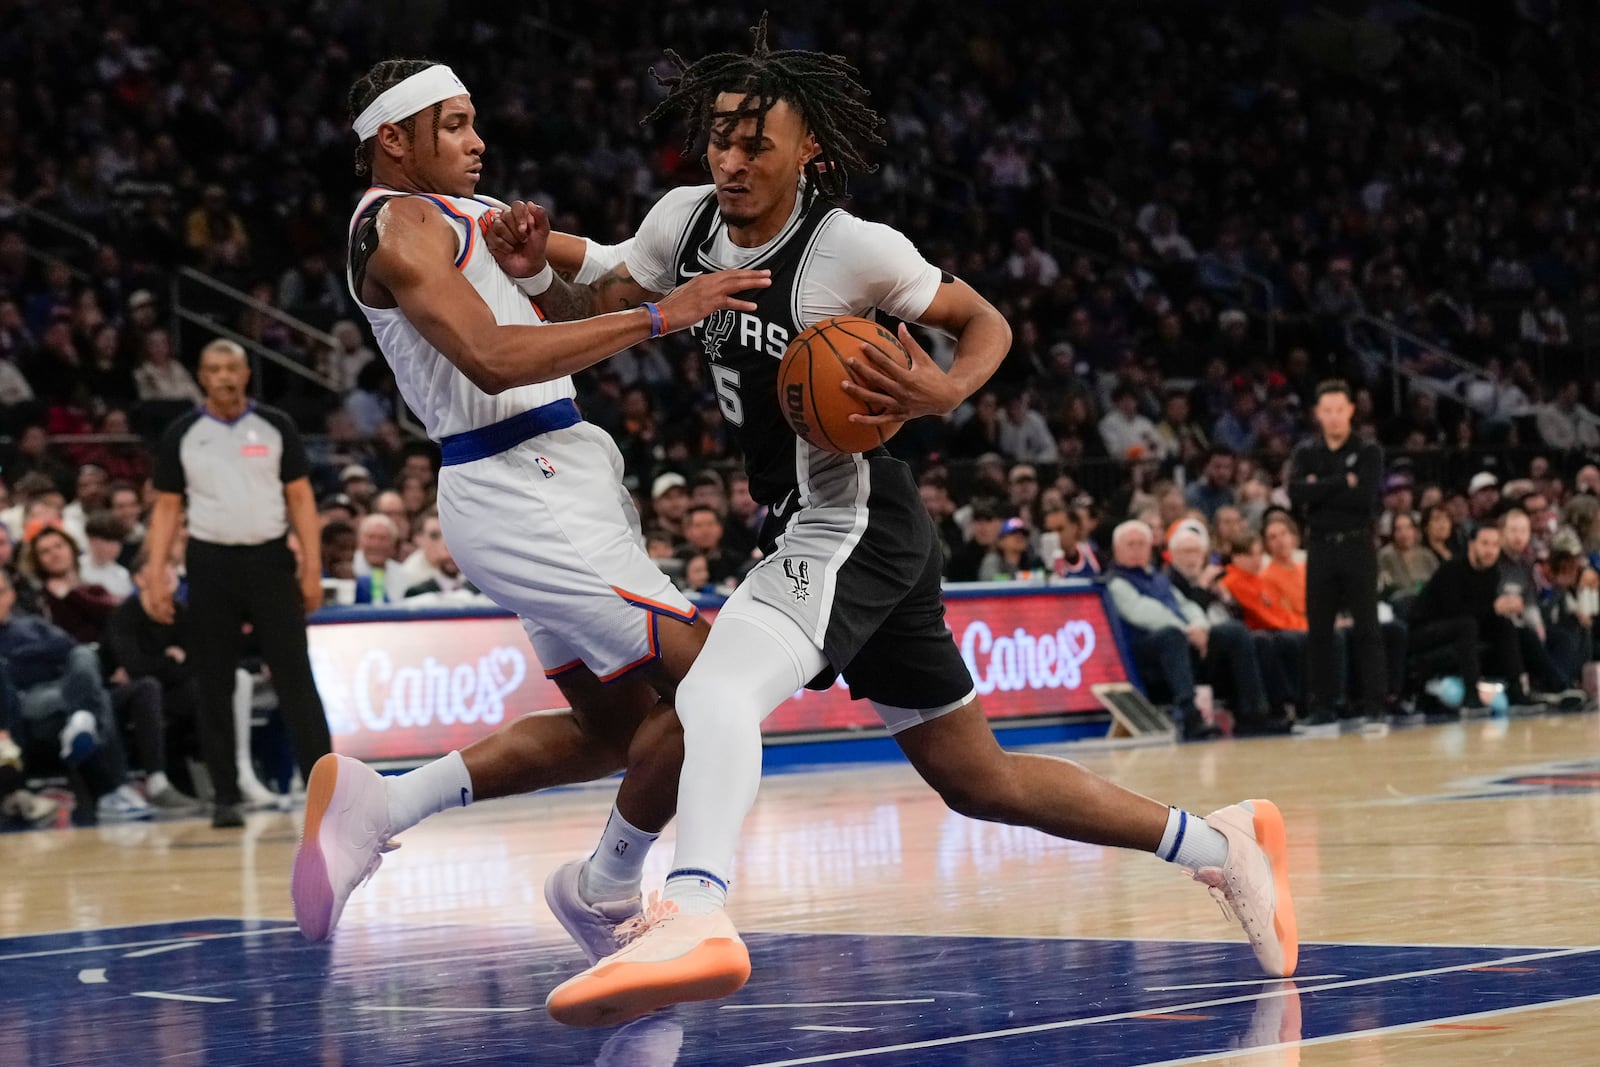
(798, 571)
(718, 328)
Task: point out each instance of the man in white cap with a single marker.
(1483, 496)
(530, 498)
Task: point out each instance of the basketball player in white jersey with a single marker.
(531, 502)
(849, 583)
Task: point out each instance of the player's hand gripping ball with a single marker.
(811, 380)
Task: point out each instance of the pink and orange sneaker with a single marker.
(346, 834)
(667, 957)
(1253, 885)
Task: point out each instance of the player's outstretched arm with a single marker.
(983, 337)
(415, 262)
(522, 244)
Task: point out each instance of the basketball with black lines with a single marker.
(811, 384)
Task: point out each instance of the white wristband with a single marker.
(537, 284)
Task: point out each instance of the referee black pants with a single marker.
(230, 585)
(1342, 576)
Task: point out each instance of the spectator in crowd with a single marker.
(63, 700)
(1569, 624)
(1440, 536)
(355, 481)
(93, 493)
(442, 575)
(100, 565)
(980, 433)
(1182, 437)
(1483, 496)
(1239, 428)
(379, 574)
(1285, 572)
(79, 609)
(1399, 498)
(1171, 635)
(702, 530)
(935, 493)
(1126, 431)
(745, 516)
(1078, 558)
(1023, 433)
(1404, 564)
(149, 650)
(1462, 622)
(669, 503)
(338, 545)
(1214, 488)
(983, 539)
(1565, 424)
(1234, 591)
(24, 590)
(1011, 555)
(159, 376)
(1519, 578)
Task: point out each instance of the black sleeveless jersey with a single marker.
(743, 350)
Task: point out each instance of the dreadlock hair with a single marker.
(373, 84)
(822, 88)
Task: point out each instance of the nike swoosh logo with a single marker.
(463, 796)
(687, 273)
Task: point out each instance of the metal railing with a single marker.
(1401, 343)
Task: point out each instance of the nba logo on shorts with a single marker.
(545, 466)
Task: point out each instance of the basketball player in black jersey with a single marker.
(849, 581)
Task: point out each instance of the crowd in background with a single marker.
(1186, 214)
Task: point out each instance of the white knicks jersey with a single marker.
(440, 395)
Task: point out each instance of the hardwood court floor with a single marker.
(1475, 843)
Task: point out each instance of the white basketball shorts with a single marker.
(545, 529)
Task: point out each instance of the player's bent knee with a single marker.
(981, 792)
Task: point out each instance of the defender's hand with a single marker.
(904, 390)
(718, 291)
(516, 237)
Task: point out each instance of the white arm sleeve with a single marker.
(649, 253)
(598, 259)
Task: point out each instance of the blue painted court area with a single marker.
(228, 992)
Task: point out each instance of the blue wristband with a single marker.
(658, 325)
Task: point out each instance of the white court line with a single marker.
(827, 1004)
(92, 976)
(834, 1029)
(142, 944)
(187, 998)
(457, 1011)
(1068, 1024)
(1230, 985)
(159, 949)
(1378, 1031)
(1147, 940)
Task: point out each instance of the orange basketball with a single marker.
(811, 380)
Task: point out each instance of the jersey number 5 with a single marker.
(727, 381)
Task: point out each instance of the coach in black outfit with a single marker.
(241, 470)
(1335, 482)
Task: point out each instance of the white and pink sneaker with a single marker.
(346, 834)
(1253, 885)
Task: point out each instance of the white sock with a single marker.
(696, 892)
(1190, 843)
(617, 864)
(156, 782)
(428, 790)
(754, 659)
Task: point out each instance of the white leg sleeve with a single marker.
(755, 658)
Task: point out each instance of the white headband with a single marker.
(402, 101)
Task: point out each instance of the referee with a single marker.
(241, 469)
(1335, 482)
